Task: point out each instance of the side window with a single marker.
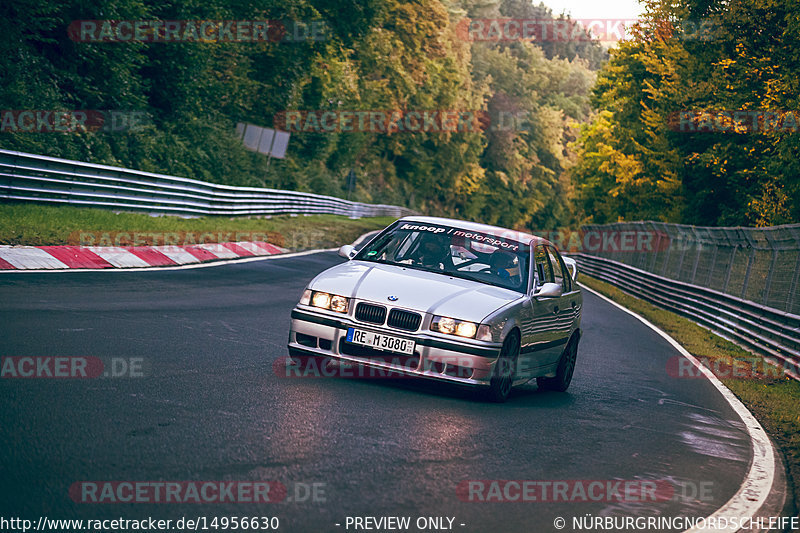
(567, 275)
(544, 270)
(561, 273)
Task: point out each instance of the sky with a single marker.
(606, 9)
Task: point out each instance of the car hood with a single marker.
(427, 292)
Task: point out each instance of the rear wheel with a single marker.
(566, 367)
(503, 375)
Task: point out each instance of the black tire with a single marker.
(566, 367)
(504, 370)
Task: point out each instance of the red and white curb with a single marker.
(98, 257)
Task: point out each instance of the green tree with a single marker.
(743, 58)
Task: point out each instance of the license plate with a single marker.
(379, 341)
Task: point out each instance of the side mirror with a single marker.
(549, 290)
(347, 251)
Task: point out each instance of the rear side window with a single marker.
(544, 270)
(560, 269)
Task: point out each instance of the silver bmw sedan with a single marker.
(447, 300)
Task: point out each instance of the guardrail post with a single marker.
(750, 261)
(771, 272)
(655, 250)
(680, 262)
(794, 288)
(696, 257)
(666, 258)
(730, 267)
(713, 264)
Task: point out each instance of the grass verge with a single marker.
(774, 400)
(44, 225)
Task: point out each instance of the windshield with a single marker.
(482, 257)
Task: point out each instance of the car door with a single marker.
(542, 337)
(565, 307)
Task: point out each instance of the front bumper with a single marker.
(467, 361)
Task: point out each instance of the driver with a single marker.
(432, 252)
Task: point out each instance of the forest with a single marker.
(519, 131)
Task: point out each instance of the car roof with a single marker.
(518, 236)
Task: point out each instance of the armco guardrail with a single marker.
(772, 333)
(29, 177)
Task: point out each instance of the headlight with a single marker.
(445, 325)
(451, 326)
(339, 304)
(466, 329)
(323, 300)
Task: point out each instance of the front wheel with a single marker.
(566, 367)
(503, 376)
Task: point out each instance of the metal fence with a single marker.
(739, 282)
(761, 265)
(29, 177)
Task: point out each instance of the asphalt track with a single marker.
(211, 408)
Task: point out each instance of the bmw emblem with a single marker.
(393, 298)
